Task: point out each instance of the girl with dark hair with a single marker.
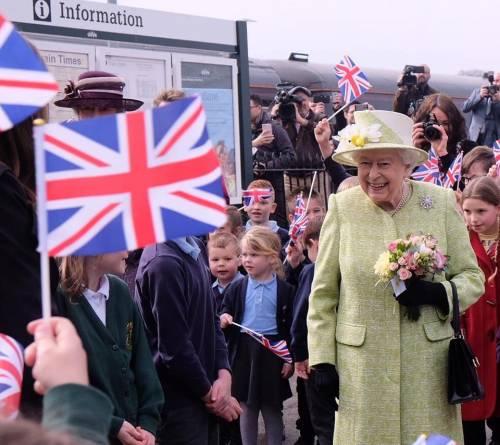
(449, 122)
(481, 205)
(20, 298)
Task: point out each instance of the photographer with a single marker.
(272, 150)
(439, 123)
(413, 87)
(484, 103)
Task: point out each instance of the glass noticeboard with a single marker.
(214, 79)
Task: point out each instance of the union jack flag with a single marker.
(278, 347)
(429, 170)
(11, 376)
(256, 195)
(351, 80)
(454, 173)
(300, 220)
(125, 181)
(25, 83)
(496, 152)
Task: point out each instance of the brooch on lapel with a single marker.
(426, 202)
(128, 341)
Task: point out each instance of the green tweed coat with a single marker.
(393, 372)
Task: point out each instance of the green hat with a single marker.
(377, 130)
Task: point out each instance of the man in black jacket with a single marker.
(408, 97)
(272, 154)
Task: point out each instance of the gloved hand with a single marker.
(325, 378)
(419, 292)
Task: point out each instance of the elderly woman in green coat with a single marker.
(392, 371)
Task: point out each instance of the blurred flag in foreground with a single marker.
(25, 83)
(11, 376)
(124, 181)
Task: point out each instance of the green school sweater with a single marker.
(118, 354)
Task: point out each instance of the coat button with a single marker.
(115, 347)
(124, 370)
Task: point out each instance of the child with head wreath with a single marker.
(481, 205)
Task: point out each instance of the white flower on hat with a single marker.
(356, 135)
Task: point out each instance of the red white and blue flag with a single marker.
(351, 80)
(300, 220)
(429, 170)
(496, 152)
(278, 347)
(25, 83)
(125, 181)
(256, 195)
(454, 173)
(11, 376)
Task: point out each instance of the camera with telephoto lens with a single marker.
(492, 88)
(431, 133)
(286, 101)
(409, 79)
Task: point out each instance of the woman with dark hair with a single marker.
(451, 126)
(20, 298)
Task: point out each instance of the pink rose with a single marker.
(440, 260)
(404, 274)
(393, 266)
(410, 261)
(431, 243)
(393, 246)
(402, 261)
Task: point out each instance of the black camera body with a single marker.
(286, 111)
(431, 133)
(492, 88)
(409, 79)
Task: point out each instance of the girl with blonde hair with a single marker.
(262, 302)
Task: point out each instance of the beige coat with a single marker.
(393, 372)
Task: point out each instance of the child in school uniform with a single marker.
(224, 257)
(259, 211)
(119, 359)
(263, 302)
(481, 206)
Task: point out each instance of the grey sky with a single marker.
(449, 35)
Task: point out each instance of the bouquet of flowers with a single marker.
(408, 259)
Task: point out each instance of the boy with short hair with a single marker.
(234, 223)
(320, 388)
(261, 209)
(224, 256)
(315, 208)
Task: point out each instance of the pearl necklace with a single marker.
(404, 199)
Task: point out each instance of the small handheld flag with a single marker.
(454, 173)
(11, 376)
(256, 195)
(25, 83)
(124, 181)
(351, 80)
(300, 220)
(279, 347)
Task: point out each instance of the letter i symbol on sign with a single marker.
(41, 10)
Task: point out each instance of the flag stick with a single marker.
(245, 328)
(338, 111)
(38, 133)
(308, 201)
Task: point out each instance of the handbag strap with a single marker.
(455, 322)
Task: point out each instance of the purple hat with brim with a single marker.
(97, 89)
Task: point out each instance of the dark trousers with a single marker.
(494, 424)
(189, 425)
(322, 407)
(304, 424)
(474, 432)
